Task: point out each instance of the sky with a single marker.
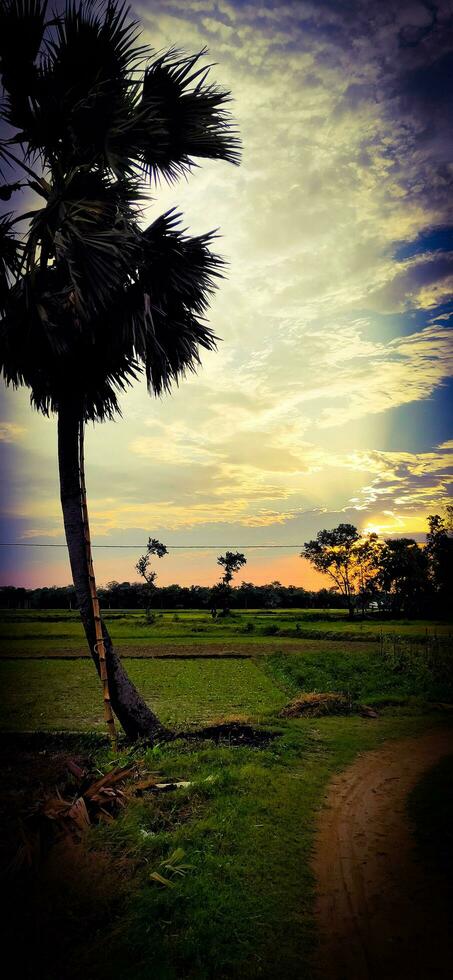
(329, 397)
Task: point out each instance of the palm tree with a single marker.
(89, 298)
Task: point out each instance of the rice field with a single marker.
(50, 633)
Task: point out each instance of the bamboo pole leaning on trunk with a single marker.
(99, 644)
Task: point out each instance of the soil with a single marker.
(380, 913)
(232, 733)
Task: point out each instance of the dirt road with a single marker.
(380, 913)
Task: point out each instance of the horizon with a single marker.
(312, 580)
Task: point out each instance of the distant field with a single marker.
(59, 633)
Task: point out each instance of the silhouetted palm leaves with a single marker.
(88, 298)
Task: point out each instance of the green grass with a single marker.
(50, 695)
(49, 631)
(367, 676)
(58, 694)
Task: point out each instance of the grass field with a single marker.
(64, 695)
(50, 633)
(59, 695)
(43, 690)
(55, 693)
(243, 907)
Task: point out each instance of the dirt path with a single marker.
(380, 914)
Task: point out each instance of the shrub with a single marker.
(248, 628)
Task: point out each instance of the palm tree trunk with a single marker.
(136, 718)
(100, 645)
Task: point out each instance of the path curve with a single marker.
(379, 913)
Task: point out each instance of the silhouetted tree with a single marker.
(403, 577)
(439, 549)
(149, 574)
(248, 595)
(88, 298)
(349, 559)
(231, 562)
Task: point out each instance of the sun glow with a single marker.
(373, 529)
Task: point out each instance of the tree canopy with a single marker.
(88, 297)
(349, 559)
(231, 562)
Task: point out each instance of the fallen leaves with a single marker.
(84, 802)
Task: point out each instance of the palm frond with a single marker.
(84, 85)
(40, 349)
(10, 255)
(88, 227)
(97, 256)
(194, 121)
(150, 316)
(90, 299)
(22, 25)
(176, 278)
(7, 190)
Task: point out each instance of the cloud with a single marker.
(11, 432)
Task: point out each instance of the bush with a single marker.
(248, 628)
(429, 663)
(271, 630)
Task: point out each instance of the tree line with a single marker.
(395, 577)
(133, 595)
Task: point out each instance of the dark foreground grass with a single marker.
(431, 811)
(243, 906)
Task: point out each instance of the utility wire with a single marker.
(174, 547)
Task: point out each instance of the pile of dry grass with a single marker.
(327, 703)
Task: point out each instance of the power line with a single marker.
(174, 547)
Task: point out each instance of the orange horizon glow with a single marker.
(182, 568)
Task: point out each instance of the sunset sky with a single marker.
(329, 398)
